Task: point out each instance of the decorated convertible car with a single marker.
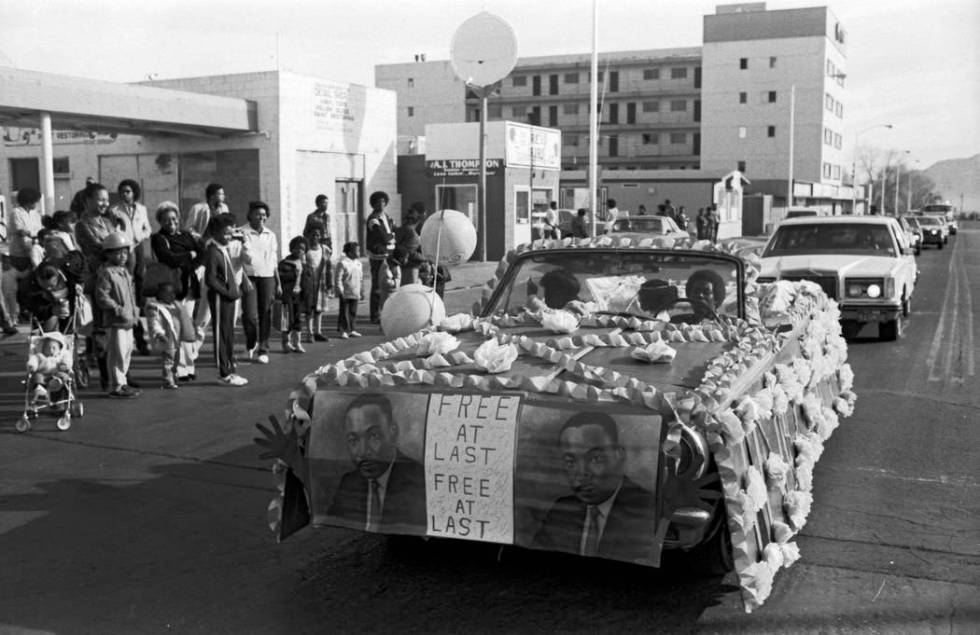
(617, 398)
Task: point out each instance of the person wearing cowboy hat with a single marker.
(116, 297)
(49, 365)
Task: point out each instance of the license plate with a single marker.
(867, 316)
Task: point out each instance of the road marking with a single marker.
(942, 479)
(937, 338)
(971, 349)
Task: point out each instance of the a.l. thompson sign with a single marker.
(460, 167)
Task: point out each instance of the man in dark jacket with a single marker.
(607, 515)
(386, 491)
(380, 241)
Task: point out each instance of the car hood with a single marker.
(846, 265)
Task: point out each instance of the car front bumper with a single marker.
(932, 239)
(870, 312)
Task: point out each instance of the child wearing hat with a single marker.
(115, 296)
(50, 367)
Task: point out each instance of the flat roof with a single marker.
(77, 103)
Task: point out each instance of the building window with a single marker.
(614, 113)
(772, 96)
(743, 98)
(828, 101)
(571, 78)
(518, 112)
(553, 116)
(534, 117)
(678, 138)
(826, 170)
(771, 131)
(570, 139)
(552, 84)
(742, 132)
(678, 73)
(836, 173)
(651, 106)
(518, 80)
(740, 166)
(838, 141)
(839, 109)
(830, 68)
(411, 83)
(678, 105)
(651, 138)
(614, 81)
(536, 85)
(476, 115)
(495, 111)
(411, 111)
(631, 113)
(60, 165)
(743, 63)
(772, 62)
(569, 109)
(828, 136)
(651, 73)
(613, 145)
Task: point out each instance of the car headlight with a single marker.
(865, 287)
(933, 231)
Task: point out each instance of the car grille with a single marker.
(827, 283)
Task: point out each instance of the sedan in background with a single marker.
(656, 225)
(913, 231)
(864, 262)
(934, 230)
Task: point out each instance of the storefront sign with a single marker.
(13, 136)
(469, 466)
(460, 167)
(533, 147)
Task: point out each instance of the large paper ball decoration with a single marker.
(412, 307)
(458, 238)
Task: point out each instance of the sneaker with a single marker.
(299, 348)
(320, 337)
(124, 392)
(355, 334)
(188, 377)
(344, 336)
(262, 358)
(170, 385)
(233, 380)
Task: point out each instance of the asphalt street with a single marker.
(148, 516)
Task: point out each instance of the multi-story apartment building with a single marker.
(757, 66)
(722, 106)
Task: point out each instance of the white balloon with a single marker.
(458, 240)
(410, 308)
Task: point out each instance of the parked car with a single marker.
(799, 212)
(934, 230)
(913, 231)
(863, 262)
(561, 395)
(655, 225)
(565, 217)
(946, 211)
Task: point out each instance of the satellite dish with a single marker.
(484, 50)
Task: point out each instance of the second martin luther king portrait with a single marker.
(596, 508)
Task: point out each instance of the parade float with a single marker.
(618, 397)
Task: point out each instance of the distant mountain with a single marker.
(954, 177)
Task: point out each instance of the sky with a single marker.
(912, 63)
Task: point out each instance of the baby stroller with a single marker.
(54, 365)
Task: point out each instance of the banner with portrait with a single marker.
(498, 468)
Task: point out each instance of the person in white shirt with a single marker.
(613, 214)
(260, 258)
(134, 219)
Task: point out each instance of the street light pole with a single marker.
(908, 202)
(898, 180)
(857, 138)
(792, 133)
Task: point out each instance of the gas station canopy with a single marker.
(76, 103)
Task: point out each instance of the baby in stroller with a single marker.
(50, 367)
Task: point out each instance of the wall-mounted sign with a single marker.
(533, 147)
(14, 136)
(332, 107)
(460, 167)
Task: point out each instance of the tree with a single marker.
(881, 166)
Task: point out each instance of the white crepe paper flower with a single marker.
(456, 323)
(494, 357)
(846, 377)
(781, 532)
(780, 402)
(774, 556)
(776, 470)
(791, 553)
(777, 298)
(829, 424)
(797, 505)
(804, 477)
(437, 342)
(559, 321)
(804, 371)
(809, 447)
(763, 401)
(731, 425)
(748, 411)
(756, 581)
(755, 487)
(654, 353)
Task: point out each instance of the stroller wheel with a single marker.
(64, 422)
(23, 424)
(82, 374)
(76, 409)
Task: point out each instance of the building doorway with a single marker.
(349, 212)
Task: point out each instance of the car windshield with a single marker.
(928, 220)
(831, 238)
(911, 221)
(645, 225)
(642, 283)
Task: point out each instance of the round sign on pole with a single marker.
(484, 50)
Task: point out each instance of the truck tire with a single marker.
(940, 244)
(713, 557)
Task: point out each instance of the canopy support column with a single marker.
(47, 164)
